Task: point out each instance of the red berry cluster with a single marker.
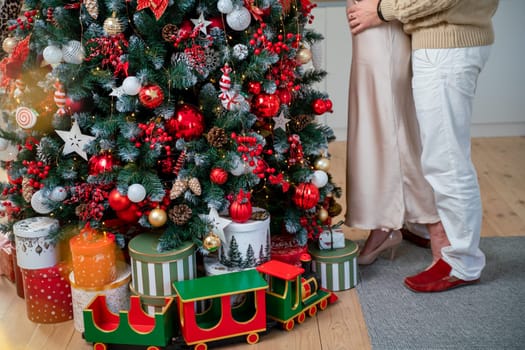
(24, 23)
(153, 134)
(312, 226)
(110, 49)
(307, 8)
(250, 152)
(92, 196)
(37, 171)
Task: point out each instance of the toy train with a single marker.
(238, 304)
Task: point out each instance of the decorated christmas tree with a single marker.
(162, 115)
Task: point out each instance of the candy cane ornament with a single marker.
(60, 98)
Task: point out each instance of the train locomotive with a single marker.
(213, 309)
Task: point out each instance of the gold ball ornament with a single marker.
(322, 163)
(211, 242)
(304, 55)
(9, 44)
(335, 209)
(157, 217)
(113, 26)
(322, 215)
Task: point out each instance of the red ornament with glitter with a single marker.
(306, 195)
(266, 105)
(101, 163)
(151, 96)
(187, 123)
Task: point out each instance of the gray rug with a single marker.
(490, 315)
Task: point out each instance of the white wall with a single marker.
(499, 108)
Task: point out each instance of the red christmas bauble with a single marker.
(285, 96)
(151, 96)
(328, 104)
(101, 163)
(266, 105)
(240, 210)
(218, 176)
(118, 201)
(187, 123)
(130, 214)
(306, 195)
(254, 87)
(319, 106)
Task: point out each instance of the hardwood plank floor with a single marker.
(501, 170)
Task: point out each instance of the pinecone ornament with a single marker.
(180, 214)
(195, 186)
(217, 137)
(300, 122)
(178, 188)
(27, 190)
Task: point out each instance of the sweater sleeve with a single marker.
(409, 10)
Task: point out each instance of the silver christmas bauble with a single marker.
(58, 194)
(225, 6)
(113, 25)
(239, 19)
(38, 203)
(73, 52)
(136, 193)
(319, 178)
(131, 86)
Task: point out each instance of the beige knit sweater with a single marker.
(444, 23)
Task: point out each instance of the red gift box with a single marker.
(7, 259)
(285, 248)
(48, 294)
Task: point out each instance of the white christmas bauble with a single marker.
(58, 194)
(3, 144)
(239, 19)
(38, 203)
(240, 51)
(238, 167)
(52, 54)
(319, 178)
(136, 193)
(225, 6)
(73, 52)
(131, 86)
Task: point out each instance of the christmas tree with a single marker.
(157, 114)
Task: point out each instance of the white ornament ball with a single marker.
(238, 167)
(225, 6)
(319, 178)
(73, 52)
(131, 86)
(38, 203)
(3, 144)
(136, 193)
(52, 54)
(240, 51)
(239, 19)
(58, 194)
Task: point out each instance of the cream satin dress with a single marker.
(385, 184)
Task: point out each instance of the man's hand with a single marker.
(362, 15)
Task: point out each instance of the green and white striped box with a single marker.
(337, 268)
(153, 272)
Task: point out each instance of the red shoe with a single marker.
(436, 279)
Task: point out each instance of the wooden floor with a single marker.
(501, 169)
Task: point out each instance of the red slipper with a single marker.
(436, 279)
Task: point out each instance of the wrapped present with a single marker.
(332, 239)
(152, 272)
(34, 248)
(286, 248)
(48, 294)
(337, 268)
(7, 259)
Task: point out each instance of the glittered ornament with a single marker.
(225, 6)
(52, 54)
(178, 188)
(58, 194)
(218, 176)
(157, 217)
(306, 195)
(254, 87)
(9, 44)
(187, 123)
(240, 51)
(239, 19)
(101, 163)
(304, 55)
(151, 96)
(319, 178)
(113, 25)
(322, 163)
(266, 105)
(73, 52)
(136, 193)
(211, 242)
(118, 201)
(131, 86)
(195, 186)
(26, 117)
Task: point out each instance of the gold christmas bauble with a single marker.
(335, 209)
(211, 242)
(157, 217)
(9, 44)
(304, 55)
(322, 214)
(322, 163)
(113, 26)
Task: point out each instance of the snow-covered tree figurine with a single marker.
(148, 114)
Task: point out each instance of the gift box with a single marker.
(117, 294)
(7, 258)
(153, 271)
(286, 248)
(34, 248)
(332, 239)
(48, 294)
(337, 268)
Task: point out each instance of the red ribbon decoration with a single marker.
(157, 6)
(254, 10)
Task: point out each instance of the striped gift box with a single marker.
(336, 268)
(152, 272)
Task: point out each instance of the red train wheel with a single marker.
(201, 346)
(312, 311)
(288, 326)
(252, 338)
(99, 346)
(323, 304)
(301, 317)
